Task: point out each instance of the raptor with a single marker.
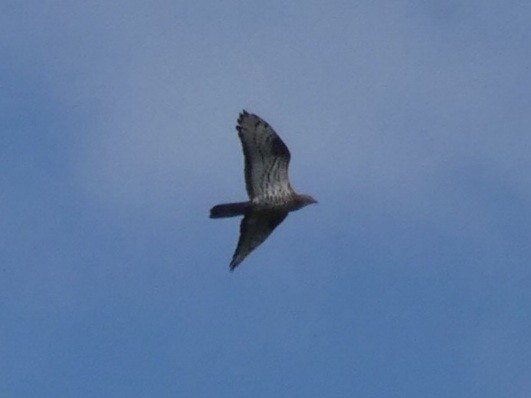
(271, 196)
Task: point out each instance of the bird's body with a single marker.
(271, 196)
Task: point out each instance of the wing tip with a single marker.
(236, 260)
(233, 264)
(245, 119)
(242, 115)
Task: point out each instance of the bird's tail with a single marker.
(229, 210)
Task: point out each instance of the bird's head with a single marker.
(303, 200)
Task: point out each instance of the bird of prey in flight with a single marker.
(271, 197)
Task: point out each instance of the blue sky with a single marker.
(409, 121)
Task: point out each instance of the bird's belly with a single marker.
(271, 201)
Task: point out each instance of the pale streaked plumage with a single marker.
(266, 159)
(266, 179)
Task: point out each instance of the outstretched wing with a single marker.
(255, 227)
(266, 158)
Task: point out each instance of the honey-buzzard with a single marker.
(271, 197)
